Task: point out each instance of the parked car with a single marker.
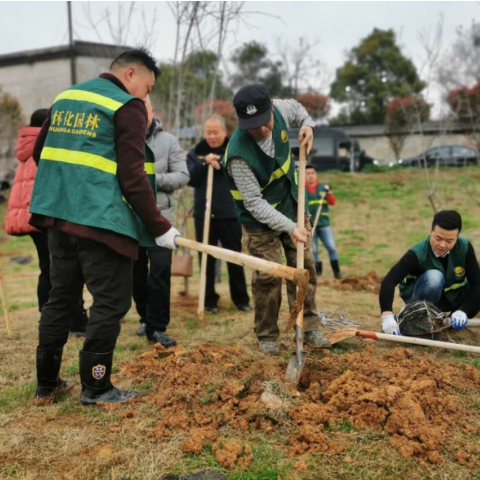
(445, 156)
(333, 150)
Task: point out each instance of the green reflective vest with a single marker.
(455, 281)
(314, 200)
(77, 175)
(277, 176)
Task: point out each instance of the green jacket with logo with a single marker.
(314, 201)
(277, 176)
(455, 281)
(77, 175)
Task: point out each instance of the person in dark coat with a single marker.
(224, 226)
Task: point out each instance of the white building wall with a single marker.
(37, 84)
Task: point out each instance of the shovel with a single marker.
(319, 211)
(206, 237)
(297, 362)
(351, 332)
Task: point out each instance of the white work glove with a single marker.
(459, 320)
(390, 325)
(167, 240)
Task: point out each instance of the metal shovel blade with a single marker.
(297, 361)
(295, 367)
(342, 334)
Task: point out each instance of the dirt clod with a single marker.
(412, 398)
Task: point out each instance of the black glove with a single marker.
(326, 189)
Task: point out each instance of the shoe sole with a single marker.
(154, 342)
(42, 401)
(276, 352)
(318, 347)
(101, 402)
(265, 352)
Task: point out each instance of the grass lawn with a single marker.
(378, 216)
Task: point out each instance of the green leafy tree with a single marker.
(11, 117)
(199, 70)
(465, 105)
(316, 104)
(252, 65)
(375, 72)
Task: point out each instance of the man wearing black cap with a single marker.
(264, 184)
(442, 269)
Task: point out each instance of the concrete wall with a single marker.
(379, 148)
(37, 84)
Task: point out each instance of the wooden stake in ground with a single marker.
(5, 307)
(297, 362)
(206, 236)
(319, 212)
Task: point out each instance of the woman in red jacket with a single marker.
(18, 216)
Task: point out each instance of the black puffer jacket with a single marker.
(222, 201)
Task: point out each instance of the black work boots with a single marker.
(95, 371)
(336, 269)
(49, 383)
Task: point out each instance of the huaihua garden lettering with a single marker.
(74, 123)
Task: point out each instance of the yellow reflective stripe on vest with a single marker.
(83, 96)
(456, 285)
(150, 168)
(236, 195)
(79, 158)
(314, 202)
(279, 172)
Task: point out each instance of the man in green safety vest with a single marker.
(93, 195)
(442, 269)
(318, 196)
(263, 181)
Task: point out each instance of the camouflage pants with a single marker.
(267, 290)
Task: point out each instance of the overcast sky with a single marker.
(337, 25)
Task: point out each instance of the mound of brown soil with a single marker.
(414, 399)
(369, 282)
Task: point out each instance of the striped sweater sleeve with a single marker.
(253, 200)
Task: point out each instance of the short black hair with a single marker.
(138, 56)
(38, 117)
(448, 220)
(310, 166)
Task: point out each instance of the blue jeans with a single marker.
(326, 236)
(428, 287)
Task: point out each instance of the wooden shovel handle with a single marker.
(206, 236)
(417, 341)
(301, 217)
(247, 261)
(319, 211)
